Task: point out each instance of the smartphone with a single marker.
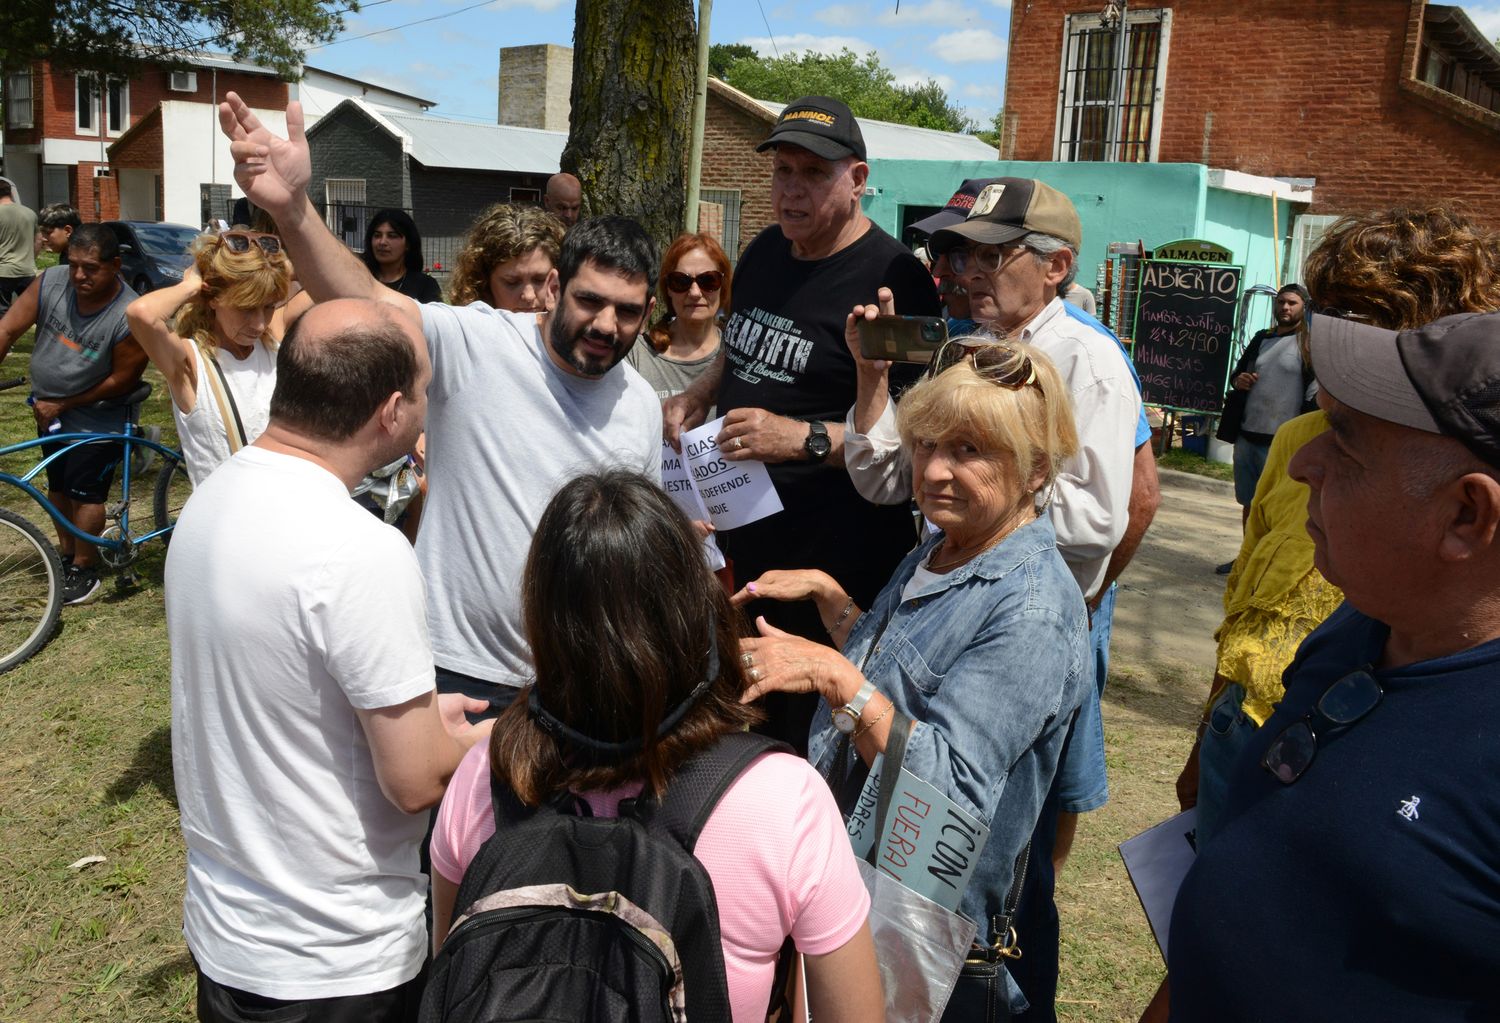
(902, 338)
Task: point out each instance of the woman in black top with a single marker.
(393, 252)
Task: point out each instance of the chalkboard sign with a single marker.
(1184, 333)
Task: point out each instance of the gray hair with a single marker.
(1044, 246)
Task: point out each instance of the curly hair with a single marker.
(660, 334)
(241, 280)
(1405, 266)
(501, 233)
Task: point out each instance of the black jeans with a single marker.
(499, 697)
(220, 1004)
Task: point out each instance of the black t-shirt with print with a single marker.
(784, 350)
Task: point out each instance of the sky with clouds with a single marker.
(448, 50)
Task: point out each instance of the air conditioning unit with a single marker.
(102, 172)
(183, 81)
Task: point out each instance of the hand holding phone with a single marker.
(914, 339)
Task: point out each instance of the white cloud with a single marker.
(976, 90)
(907, 75)
(971, 47)
(930, 13)
(843, 15)
(1486, 17)
(807, 42)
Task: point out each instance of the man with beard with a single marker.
(519, 402)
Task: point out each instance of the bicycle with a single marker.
(31, 572)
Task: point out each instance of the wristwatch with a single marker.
(817, 444)
(846, 718)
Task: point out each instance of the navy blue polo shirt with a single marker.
(1370, 888)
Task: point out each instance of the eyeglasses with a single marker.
(1343, 703)
(709, 281)
(996, 361)
(986, 258)
(240, 241)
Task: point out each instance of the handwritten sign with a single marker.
(930, 845)
(733, 493)
(1184, 333)
(679, 486)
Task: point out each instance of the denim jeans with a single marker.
(1228, 733)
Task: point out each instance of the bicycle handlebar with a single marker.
(6, 385)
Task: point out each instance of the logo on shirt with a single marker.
(1409, 807)
(762, 345)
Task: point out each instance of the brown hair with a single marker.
(1403, 267)
(241, 280)
(502, 232)
(620, 610)
(660, 334)
(328, 387)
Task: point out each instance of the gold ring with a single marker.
(739, 442)
(747, 659)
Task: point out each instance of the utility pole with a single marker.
(700, 107)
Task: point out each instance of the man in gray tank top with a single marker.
(84, 366)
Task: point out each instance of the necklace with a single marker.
(955, 562)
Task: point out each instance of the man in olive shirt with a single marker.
(17, 246)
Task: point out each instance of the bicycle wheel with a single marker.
(173, 488)
(31, 589)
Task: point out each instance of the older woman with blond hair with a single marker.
(219, 356)
(508, 259)
(980, 639)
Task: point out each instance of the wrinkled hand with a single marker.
(46, 410)
(788, 585)
(885, 305)
(452, 708)
(680, 413)
(271, 170)
(754, 433)
(782, 663)
(1245, 381)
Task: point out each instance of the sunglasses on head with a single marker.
(709, 281)
(996, 361)
(1343, 703)
(240, 241)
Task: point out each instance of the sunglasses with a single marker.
(709, 281)
(987, 258)
(996, 361)
(240, 241)
(1342, 704)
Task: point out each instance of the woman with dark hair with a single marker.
(393, 252)
(693, 291)
(637, 672)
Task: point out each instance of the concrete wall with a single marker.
(1285, 88)
(536, 84)
(197, 153)
(138, 195)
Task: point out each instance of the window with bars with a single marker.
(729, 198)
(345, 211)
(18, 109)
(1109, 97)
(214, 202)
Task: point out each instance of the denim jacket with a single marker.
(991, 662)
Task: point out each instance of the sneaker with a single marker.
(80, 585)
(1225, 568)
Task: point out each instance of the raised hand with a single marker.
(271, 170)
(885, 305)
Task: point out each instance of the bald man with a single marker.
(563, 198)
(307, 735)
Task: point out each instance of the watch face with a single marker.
(818, 445)
(844, 721)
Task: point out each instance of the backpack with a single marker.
(569, 917)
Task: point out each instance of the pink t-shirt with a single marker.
(774, 847)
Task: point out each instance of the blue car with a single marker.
(152, 255)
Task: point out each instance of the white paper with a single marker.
(1157, 860)
(735, 493)
(675, 481)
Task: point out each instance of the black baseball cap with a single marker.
(1443, 378)
(1010, 208)
(819, 124)
(957, 209)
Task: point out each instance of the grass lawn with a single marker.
(1190, 461)
(88, 772)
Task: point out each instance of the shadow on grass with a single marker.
(158, 983)
(152, 766)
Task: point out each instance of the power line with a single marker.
(397, 28)
(769, 33)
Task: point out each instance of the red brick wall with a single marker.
(730, 161)
(95, 198)
(1295, 88)
(143, 149)
(60, 96)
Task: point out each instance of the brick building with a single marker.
(1372, 102)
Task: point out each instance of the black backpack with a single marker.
(564, 916)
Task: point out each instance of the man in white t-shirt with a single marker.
(521, 403)
(306, 733)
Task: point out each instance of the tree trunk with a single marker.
(632, 109)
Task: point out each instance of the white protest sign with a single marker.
(735, 493)
(676, 482)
